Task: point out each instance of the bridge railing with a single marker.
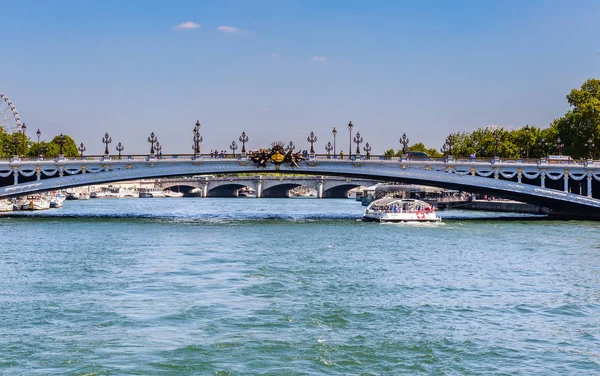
(345, 158)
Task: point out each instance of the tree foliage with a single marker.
(12, 143)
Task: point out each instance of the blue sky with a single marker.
(280, 69)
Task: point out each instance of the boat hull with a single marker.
(399, 220)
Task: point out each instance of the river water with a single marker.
(293, 287)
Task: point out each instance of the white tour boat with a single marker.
(400, 210)
(151, 192)
(170, 193)
(33, 202)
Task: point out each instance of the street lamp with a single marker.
(328, 148)
(120, 148)
(368, 148)
(496, 139)
(38, 133)
(527, 141)
(559, 145)
(158, 150)
(447, 147)
(243, 140)
(334, 132)
(404, 142)
(61, 142)
(233, 147)
(197, 139)
(542, 145)
(358, 140)
(350, 139)
(106, 140)
(81, 149)
(589, 145)
(23, 129)
(152, 140)
(312, 139)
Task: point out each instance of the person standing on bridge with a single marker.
(341, 154)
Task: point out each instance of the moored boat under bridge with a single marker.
(569, 188)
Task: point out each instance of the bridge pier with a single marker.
(16, 175)
(566, 182)
(589, 186)
(542, 180)
(320, 184)
(519, 177)
(38, 175)
(259, 186)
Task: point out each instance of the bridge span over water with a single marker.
(568, 188)
(264, 186)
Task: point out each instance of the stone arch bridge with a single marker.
(265, 186)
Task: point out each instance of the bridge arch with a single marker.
(480, 176)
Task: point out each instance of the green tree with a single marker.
(581, 124)
(69, 147)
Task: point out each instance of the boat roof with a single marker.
(390, 200)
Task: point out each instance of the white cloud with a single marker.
(187, 25)
(320, 59)
(276, 55)
(229, 29)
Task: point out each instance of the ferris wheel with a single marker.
(9, 117)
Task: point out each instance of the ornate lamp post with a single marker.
(312, 139)
(197, 139)
(23, 129)
(447, 147)
(328, 148)
(559, 145)
(542, 145)
(243, 140)
(404, 142)
(358, 140)
(158, 149)
(368, 148)
(81, 149)
(106, 140)
(496, 139)
(589, 145)
(16, 140)
(152, 140)
(120, 148)
(38, 133)
(527, 141)
(61, 142)
(334, 132)
(350, 139)
(233, 147)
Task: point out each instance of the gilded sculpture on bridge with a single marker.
(277, 155)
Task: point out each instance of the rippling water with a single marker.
(293, 287)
